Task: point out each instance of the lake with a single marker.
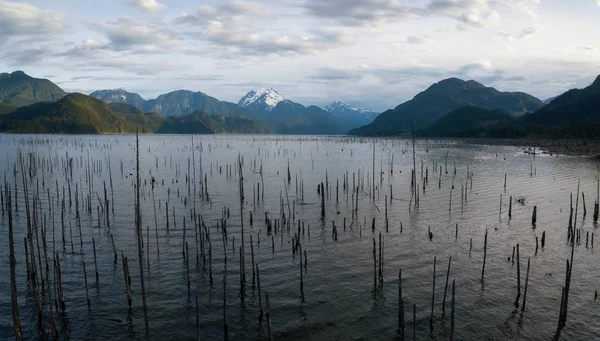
(343, 299)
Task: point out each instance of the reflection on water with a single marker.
(339, 298)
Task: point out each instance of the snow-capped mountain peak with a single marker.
(341, 107)
(119, 95)
(265, 97)
(112, 95)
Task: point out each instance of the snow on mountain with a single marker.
(119, 95)
(265, 98)
(116, 95)
(343, 110)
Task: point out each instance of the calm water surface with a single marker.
(340, 302)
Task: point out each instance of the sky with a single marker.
(370, 53)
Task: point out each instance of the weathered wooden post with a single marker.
(112, 240)
(484, 255)
(86, 285)
(260, 315)
(414, 322)
(526, 282)
(446, 286)
(587, 237)
(322, 201)
(374, 264)
(301, 276)
(518, 274)
(544, 239)
(452, 311)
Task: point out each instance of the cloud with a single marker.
(474, 67)
(333, 74)
(91, 44)
(473, 20)
(587, 48)
(529, 31)
(455, 7)
(241, 27)
(498, 76)
(526, 7)
(506, 35)
(151, 6)
(469, 14)
(22, 19)
(482, 71)
(360, 12)
(425, 39)
(391, 75)
(525, 33)
(20, 55)
(94, 56)
(137, 66)
(89, 48)
(126, 34)
(234, 8)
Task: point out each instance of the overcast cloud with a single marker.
(371, 53)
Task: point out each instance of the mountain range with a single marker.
(355, 116)
(261, 104)
(77, 113)
(572, 115)
(443, 97)
(450, 107)
(120, 95)
(179, 102)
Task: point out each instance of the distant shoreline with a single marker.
(542, 146)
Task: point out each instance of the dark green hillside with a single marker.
(145, 122)
(19, 89)
(73, 114)
(313, 124)
(443, 97)
(6, 108)
(195, 123)
(468, 121)
(124, 108)
(575, 106)
(243, 125)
